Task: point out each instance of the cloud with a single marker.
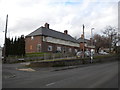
(27, 15)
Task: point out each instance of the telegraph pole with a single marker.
(91, 36)
(83, 42)
(5, 38)
(91, 51)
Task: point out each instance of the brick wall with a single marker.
(81, 46)
(54, 47)
(31, 44)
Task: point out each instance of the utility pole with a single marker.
(83, 42)
(5, 38)
(91, 36)
(91, 51)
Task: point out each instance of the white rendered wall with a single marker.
(59, 41)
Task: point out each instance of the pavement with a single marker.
(97, 75)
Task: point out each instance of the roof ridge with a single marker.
(52, 33)
(61, 32)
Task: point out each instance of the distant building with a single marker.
(86, 44)
(45, 39)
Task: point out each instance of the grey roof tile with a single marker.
(81, 40)
(52, 33)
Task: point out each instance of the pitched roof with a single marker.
(52, 33)
(82, 40)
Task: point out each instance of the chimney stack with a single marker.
(65, 32)
(47, 25)
(82, 36)
(91, 41)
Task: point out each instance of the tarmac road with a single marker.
(103, 75)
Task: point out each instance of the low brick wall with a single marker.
(37, 58)
(70, 62)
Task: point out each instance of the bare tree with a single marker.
(100, 42)
(111, 33)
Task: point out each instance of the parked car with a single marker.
(103, 53)
(79, 54)
(87, 53)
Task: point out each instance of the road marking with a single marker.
(50, 84)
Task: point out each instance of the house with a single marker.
(45, 39)
(86, 44)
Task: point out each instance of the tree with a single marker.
(22, 45)
(12, 47)
(7, 47)
(111, 33)
(97, 39)
(100, 42)
(15, 47)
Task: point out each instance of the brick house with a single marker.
(45, 39)
(86, 44)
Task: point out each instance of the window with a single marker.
(38, 47)
(49, 48)
(59, 49)
(70, 50)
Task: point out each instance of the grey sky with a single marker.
(27, 15)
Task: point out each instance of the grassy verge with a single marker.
(104, 56)
(35, 54)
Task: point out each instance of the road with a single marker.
(103, 75)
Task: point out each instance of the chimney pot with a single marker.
(47, 25)
(66, 32)
(82, 36)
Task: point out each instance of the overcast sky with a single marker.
(25, 16)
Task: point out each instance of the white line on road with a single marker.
(50, 84)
